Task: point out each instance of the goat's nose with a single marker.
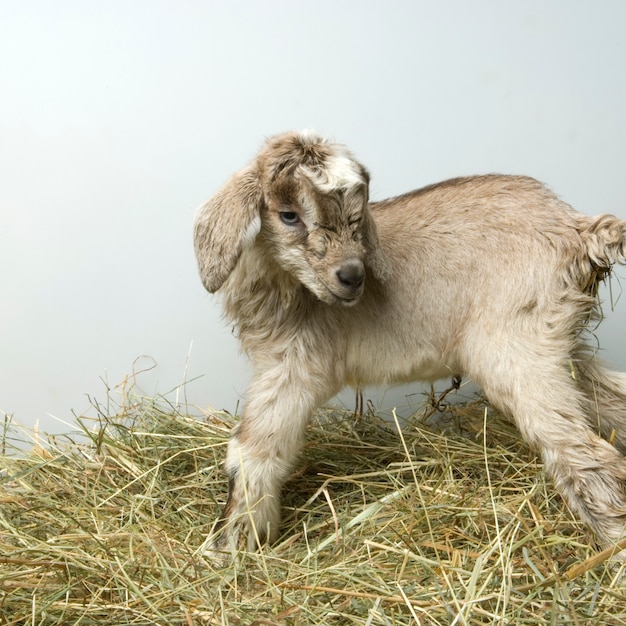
(351, 274)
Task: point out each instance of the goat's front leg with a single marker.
(261, 455)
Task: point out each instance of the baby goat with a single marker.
(492, 277)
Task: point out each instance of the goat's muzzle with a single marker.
(350, 277)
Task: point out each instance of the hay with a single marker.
(381, 526)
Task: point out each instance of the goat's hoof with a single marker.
(219, 551)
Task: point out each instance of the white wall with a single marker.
(117, 119)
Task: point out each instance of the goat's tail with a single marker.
(605, 240)
(604, 245)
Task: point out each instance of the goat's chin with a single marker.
(338, 297)
(347, 303)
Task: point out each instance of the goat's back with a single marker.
(498, 233)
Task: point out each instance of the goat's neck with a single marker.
(258, 295)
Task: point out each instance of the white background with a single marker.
(118, 119)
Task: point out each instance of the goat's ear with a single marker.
(375, 258)
(225, 225)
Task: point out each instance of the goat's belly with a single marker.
(404, 365)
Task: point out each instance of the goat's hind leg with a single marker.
(606, 394)
(549, 410)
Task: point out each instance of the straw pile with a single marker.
(434, 526)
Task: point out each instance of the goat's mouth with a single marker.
(342, 297)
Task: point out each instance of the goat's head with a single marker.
(306, 201)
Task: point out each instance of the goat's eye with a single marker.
(290, 218)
